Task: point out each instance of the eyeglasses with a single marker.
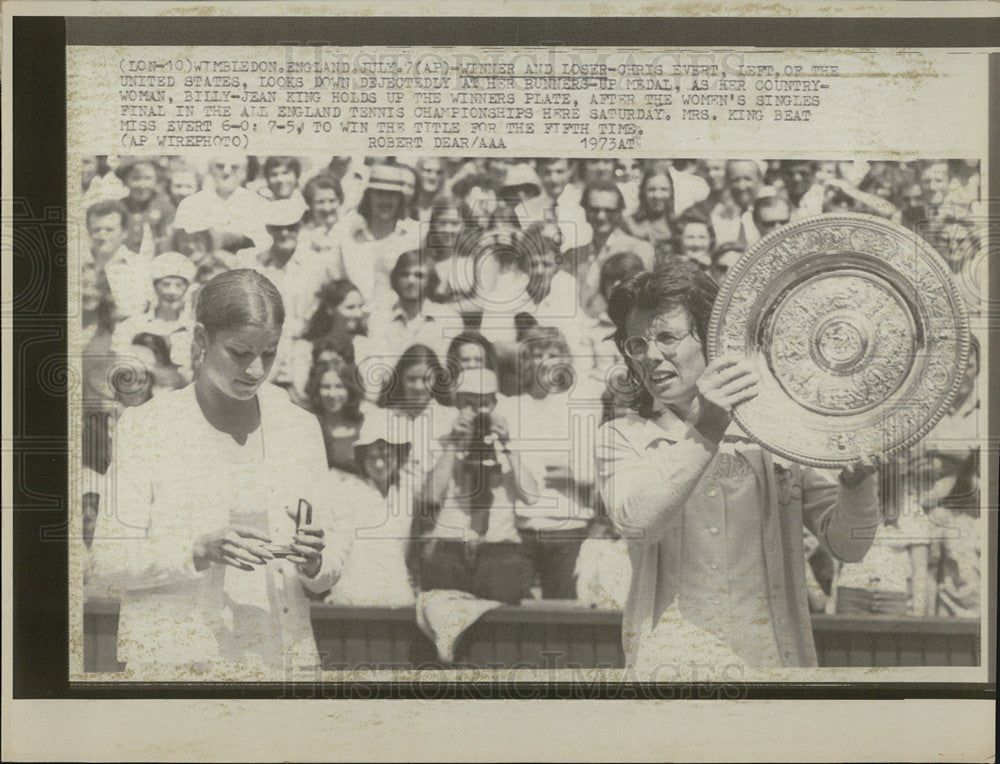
(637, 347)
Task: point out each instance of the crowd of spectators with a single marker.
(446, 324)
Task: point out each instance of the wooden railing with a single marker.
(564, 634)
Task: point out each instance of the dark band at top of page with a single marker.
(541, 31)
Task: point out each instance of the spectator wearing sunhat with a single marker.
(169, 316)
(379, 233)
(381, 504)
(150, 211)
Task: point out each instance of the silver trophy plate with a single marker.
(860, 334)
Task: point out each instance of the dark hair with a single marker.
(408, 260)
(322, 181)
(181, 238)
(762, 203)
(453, 367)
(544, 161)
(616, 269)
(687, 219)
(348, 375)
(105, 208)
(602, 185)
(675, 284)
(559, 378)
(342, 346)
(391, 394)
(463, 186)
(329, 297)
(126, 170)
(156, 343)
(401, 449)
(365, 205)
(275, 162)
(644, 212)
(725, 248)
(433, 241)
(239, 298)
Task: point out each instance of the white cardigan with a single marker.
(176, 478)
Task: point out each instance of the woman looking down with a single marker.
(212, 546)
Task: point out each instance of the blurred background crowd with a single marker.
(430, 298)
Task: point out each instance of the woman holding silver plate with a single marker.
(713, 521)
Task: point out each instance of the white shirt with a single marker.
(177, 478)
(391, 333)
(130, 281)
(544, 433)
(375, 573)
(242, 212)
(368, 261)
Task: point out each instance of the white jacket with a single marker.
(176, 478)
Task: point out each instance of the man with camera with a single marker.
(466, 510)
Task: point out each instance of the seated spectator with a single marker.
(561, 201)
(98, 182)
(378, 233)
(410, 320)
(546, 434)
(375, 573)
(443, 231)
(478, 195)
(655, 220)
(183, 181)
(281, 178)
(469, 350)
(695, 240)
(465, 518)
(803, 192)
(97, 308)
(150, 211)
(341, 316)
(603, 205)
(199, 247)
(144, 370)
(322, 235)
(521, 196)
(170, 318)
(411, 390)
(333, 396)
(527, 280)
(126, 272)
(430, 184)
(770, 211)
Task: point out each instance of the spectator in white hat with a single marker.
(170, 315)
(379, 232)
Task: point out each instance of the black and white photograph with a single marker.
(529, 382)
(492, 383)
